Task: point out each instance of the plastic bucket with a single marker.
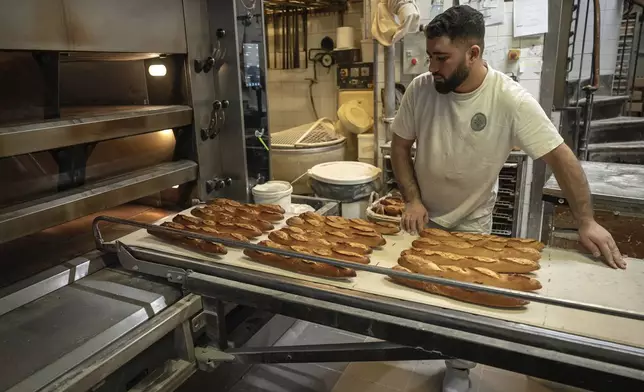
(273, 192)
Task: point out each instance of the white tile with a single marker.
(532, 86)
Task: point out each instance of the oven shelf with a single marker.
(33, 216)
(79, 125)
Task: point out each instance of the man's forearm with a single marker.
(573, 183)
(405, 176)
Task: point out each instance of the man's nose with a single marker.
(433, 68)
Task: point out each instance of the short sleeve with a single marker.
(532, 130)
(403, 124)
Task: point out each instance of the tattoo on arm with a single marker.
(404, 170)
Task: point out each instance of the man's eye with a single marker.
(441, 58)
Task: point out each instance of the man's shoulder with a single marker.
(507, 91)
(420, 82)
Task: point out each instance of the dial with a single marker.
(326, 60)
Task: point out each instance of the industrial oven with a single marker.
(108, 127)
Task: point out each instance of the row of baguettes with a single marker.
(313, 221)
(451, 256)
(474, 258)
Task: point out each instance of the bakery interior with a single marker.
(127, 146)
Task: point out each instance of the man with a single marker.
(465, 117)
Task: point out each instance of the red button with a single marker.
(413, 61)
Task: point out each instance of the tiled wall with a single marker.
(611, 16)
(288, 90)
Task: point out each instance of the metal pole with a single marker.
(390, 88)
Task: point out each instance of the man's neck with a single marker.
(474, 80)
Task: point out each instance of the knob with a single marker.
(210, 185)
(228, 181)
(414, 61)
(225, 104)
(216, 105)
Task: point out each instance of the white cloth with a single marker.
(463, 140)
(393, 19)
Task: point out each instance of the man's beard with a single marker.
(446, 86)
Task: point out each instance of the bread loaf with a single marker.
(293, 239)
(332, 254)
(475, 297)
(465, 248)
(314, 221)
(343, 243)
(296, 264)
(505, 265)
(495, 241)
(191, 243)
(478, 275)
(215, 216)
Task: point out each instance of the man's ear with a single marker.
(475, 52)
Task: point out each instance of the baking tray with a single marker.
(563, 274)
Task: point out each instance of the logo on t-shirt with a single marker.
(478, 122)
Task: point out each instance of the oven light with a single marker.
(175, 186)
(157, 70)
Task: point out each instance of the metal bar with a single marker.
(100, 244)
(234, 277)
(554, 363)
(27, 218)
(23, 139)
(96, 368)
(347, 352)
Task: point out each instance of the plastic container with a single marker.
(274, 192)
(347, 182)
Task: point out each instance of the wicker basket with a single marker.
(374, 200)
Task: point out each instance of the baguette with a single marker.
(475, 297)
(307, 224)
(439, 235)
(293, 239)
(478, 275)
(343, 243)
(187, 220)
(224, 202)
(244, 229)
(372, 240)
(468, 249)
(505, 265)
(296, 264)
(331, 254)
(483, 239)
(268, 207)
(381, 227)
(194, 243)
(217, 215)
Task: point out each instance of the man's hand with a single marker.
(414, 218)
(599, 241)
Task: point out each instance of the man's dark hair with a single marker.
(460, 22)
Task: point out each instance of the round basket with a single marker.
(374, 200)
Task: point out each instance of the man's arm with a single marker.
(574, 185)
(404, 168)
(572, 181)
(415, 216)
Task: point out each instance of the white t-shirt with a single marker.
(463, 140)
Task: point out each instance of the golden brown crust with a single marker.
(504, 264)
(354, 247)
(487, 239)
(192, 243)
(478, 275)
(296, 264)
(461, 247)
(479, 298)
(394, 210)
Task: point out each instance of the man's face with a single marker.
(449, 63)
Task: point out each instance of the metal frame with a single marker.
(91, 128)
(30, 217)
(527, 349)
(555, 56)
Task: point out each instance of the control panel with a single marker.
(414, 54)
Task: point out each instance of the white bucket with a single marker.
(274, 192)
